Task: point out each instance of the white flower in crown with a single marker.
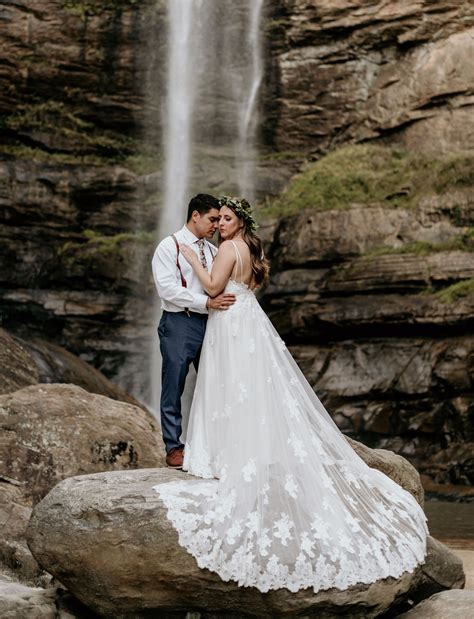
(241, 208)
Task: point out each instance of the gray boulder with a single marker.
(50, 432)
(456, 604)
(107, 538)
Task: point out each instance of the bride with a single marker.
(288, 503)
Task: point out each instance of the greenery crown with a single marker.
(241, 208)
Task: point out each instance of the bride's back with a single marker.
(242, 271)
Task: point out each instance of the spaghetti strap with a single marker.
(239, 261)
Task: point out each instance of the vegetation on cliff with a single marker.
(457, 291)
(371, 174)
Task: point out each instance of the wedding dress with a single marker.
(287, 502)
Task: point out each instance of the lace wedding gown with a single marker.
(288, 503)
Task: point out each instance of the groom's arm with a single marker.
(164, 274)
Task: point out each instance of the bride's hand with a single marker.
(189, 254)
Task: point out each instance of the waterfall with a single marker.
(180, 97)
(215, 70)
(248, 119)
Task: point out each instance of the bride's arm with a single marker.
(215, 282)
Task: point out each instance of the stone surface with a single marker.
(17, 367)
(353, 70)
(49, 432)
(84, 527)
(361, 295)
(18, 601)
(55, 431)
(28, 362)
(456, 604)
(312, 237)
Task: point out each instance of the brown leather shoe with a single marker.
(175, 457)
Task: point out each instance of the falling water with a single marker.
(215, 69)
(181, 92)
(248, 120)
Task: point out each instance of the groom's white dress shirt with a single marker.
(174, 297)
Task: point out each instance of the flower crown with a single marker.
(241, 208)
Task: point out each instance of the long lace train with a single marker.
(286, 501)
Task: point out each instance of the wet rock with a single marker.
(85, 526)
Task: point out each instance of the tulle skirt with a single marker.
(286, 502)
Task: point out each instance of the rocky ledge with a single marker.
(107, 538)
(372, 286)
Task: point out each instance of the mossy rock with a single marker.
(371, 174)
(90, 8)
(117, 259)
(457, 291)
(59, 127)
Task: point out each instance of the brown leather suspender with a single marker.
(183, 280)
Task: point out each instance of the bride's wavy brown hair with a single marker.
(243, 210)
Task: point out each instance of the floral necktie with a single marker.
(202, 255)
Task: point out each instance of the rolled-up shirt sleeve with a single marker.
(169, 289)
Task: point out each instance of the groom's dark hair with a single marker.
(202, 203)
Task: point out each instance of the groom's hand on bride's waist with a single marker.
(222, 302)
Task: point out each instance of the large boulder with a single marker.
(107, 538)
(57, 431)
(50, 432)
(454, 604)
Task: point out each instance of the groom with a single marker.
(185, 307)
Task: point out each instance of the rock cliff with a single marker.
(358, 291)
(376, 297)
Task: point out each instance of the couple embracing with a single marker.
(283, 500)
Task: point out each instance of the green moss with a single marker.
(370, 174)
(143, 163)
(46, 115)
(57, 119)
(456, 291)
(464, 242)
(89, 8)
(20, 151)
(107, 244)
(95, 245)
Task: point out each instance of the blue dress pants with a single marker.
(181, 336)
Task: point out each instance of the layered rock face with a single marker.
(80, 182)
(77, 227)
(345, 71)
(377, 301)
